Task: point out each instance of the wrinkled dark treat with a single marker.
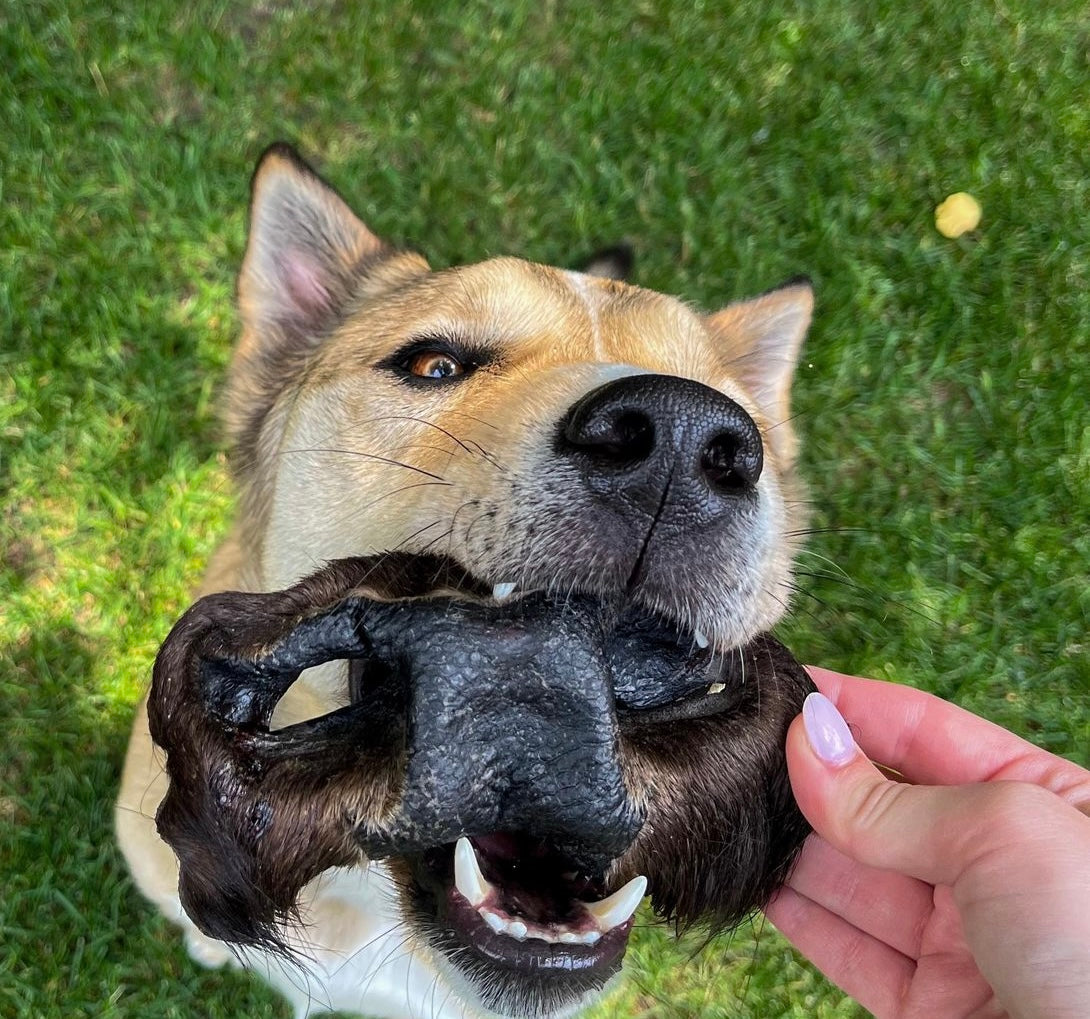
(585, 726)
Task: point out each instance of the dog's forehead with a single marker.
(532, 311)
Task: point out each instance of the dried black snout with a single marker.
(512, 725)
(464, 718)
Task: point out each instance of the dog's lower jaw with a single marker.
(470, 1004)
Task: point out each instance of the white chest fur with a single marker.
(356, 954)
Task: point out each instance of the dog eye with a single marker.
(434, 364)
(438, 360)
(715, 699)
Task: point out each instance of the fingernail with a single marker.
(828, 733)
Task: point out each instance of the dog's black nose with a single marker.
(632, 438)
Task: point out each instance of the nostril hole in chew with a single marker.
(299, 702)
(719, 462)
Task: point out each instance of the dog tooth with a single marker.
(701, 638)
(468, 878)
(568, 937)
(617, 908)
(517, 929)
(501, 591)
(497, 923)
(717, 688)
(590, 937)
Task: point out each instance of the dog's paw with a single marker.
(206, 952)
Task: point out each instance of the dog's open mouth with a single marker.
(514, 903)
(484, 752)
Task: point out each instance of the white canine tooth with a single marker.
(717, 688)
(517, 929)
(501, 591)
(568, 937)
(617, 908)
(701, 638)
(468, 878)
(497, 923)
(590, 937)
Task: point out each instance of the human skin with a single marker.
(961, 889)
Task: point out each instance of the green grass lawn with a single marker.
(942, 398)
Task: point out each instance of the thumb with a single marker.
(934, 833)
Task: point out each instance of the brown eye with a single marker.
(433, 364)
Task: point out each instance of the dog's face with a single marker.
(563, 512)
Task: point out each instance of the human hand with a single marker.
(965, 894)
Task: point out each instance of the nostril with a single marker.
(635, 436)
(726, 465)
(619, 436)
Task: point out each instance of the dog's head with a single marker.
(543, 521)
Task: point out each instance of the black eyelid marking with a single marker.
(469, 355)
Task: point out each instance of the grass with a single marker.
(942, 397)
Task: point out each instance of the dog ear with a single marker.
(304, 250)
(612, 263)
(760, 340)
(307, 257)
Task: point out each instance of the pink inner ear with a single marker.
(303, 279)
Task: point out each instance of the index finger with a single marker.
(933, 742)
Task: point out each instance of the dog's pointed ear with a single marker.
(760, 340)
(308, 257)
(305, 251)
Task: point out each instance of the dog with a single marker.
(484, 659)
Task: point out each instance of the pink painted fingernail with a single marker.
(828, 733)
